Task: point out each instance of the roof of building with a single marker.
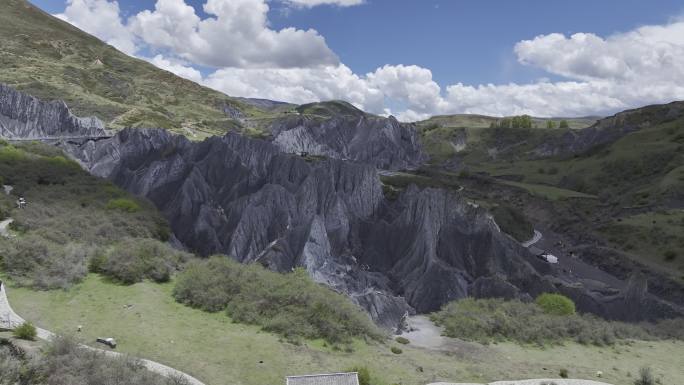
(325, 379)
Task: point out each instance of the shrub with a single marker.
(487, 320)
(25, 331)
(68, 220)
(396, 350)
(363, 373)
(645, 377)
(670, 255)
(556, 304)
(64, 362)
(133, 260)
(123, 204)
(291, 304)
(563, 373)
(402, 340)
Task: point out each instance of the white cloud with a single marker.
(299, 85)
(177, 68)
(604, 74)
(236, 35)
(314, 3)
(102, 19)
(653, 52)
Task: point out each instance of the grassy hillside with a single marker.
(147, 322)
(73, 217)
(51, 59)
(483, 121)
(627, 195)
(446, 136)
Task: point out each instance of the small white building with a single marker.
(324, 379)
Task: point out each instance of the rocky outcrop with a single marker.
(250, 200)
(383, 142)
(25, 117)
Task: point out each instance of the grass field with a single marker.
(147, 323)
(549, 192)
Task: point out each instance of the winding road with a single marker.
(9, 320)
(535, 238)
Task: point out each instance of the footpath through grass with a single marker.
(147, 322)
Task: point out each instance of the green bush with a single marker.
(556, 304)
(123, 204)
(363, 373)
(402, 340)
(25, 331)
(132, 260)
(645, 377)
(670, 255)
(291, 304)
(65, 362)
(486, 320)
(563, 373)
(396, 350)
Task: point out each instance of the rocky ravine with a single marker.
(248, 199)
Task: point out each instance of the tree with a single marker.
(25, 331)
(645, 377)
(564, 124)
(556, 304)
(550, 124)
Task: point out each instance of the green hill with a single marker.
(50, 59)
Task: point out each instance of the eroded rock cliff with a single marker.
(25, 117)
(383, 142)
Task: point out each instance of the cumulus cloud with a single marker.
(249, 58)
(299, 85)
(236, 35)
(653, 52)
(102, 19)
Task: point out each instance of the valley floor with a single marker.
(148, 323)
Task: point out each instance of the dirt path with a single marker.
(535, 238)
(9, 319)
(425, 334)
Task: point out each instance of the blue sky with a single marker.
(459, 41)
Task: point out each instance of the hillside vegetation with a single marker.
(50, 59)
(148, 323)
(70, 221)
(487, 320)
(62, 361)
(291, 305)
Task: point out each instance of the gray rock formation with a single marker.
(245, 198)
(382, 142)
(25, 117)
(248, 199)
